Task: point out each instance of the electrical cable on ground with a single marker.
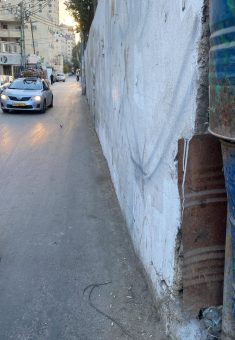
(92, 287)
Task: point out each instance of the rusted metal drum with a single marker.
(204, 210)
(229, 174)
(222, 69)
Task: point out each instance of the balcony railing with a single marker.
(9, 33)
(9, 13)
(7, 47)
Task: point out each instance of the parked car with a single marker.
(60, 77)
(31, 94)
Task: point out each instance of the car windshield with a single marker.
(26, 84)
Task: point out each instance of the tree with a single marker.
(83, 12)
(76, 56)
(67, 66)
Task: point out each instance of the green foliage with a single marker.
(76, 56)
(67, 66)
(83, 12)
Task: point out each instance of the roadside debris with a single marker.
(212, 319)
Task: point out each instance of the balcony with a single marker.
(9, 47)
(10, 33)
(10, 15)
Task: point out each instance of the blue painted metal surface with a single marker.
(229, 174)
(222, 69)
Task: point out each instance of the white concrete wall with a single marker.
(141, 71)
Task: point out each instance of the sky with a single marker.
(65, 17)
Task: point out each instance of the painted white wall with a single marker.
(141, 72)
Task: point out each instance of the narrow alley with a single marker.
(67, 266)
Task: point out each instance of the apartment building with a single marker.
(10, 36)
(40, 28)
(28, 28)
(70, 45)
(67, 41)
(40, 35)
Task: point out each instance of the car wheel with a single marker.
(43, 110)
(63, 80)
(51, 105)
(5, 110)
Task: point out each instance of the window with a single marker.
(26, 84)
(16, 70)
(6, 69)
(5, 26)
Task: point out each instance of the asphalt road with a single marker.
(61, 231)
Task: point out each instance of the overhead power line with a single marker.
(36, 11)
(44, 21)
(38, 2)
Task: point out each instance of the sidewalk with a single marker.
(118, 293)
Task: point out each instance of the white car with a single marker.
(32, 94)
(60, 77)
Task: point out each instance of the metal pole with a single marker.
(31, 25)
(21, 33)
(23, 22)
(228, 327)
(22, 40)
(221, 124)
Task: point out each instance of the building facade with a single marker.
(10, 39)
(30, 30)
(41, 27)
(68, 41)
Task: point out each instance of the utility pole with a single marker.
(22, 34)
(31, 25)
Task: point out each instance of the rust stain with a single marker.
(203, 223)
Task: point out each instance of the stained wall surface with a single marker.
(142, 81)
